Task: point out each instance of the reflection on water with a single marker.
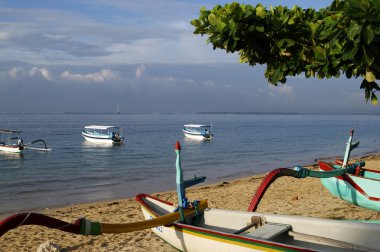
(11, 160)
(11, 155)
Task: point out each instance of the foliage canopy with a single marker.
(343, 38)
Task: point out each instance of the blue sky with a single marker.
(90, 55)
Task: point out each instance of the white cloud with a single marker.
(281, 90)
(55, 36)
(20, 72)
(16, 72)
(140, 72)
(181, 26)
(101, 76)
(42, 71)
(4, 36)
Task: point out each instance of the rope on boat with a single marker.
(298, 172)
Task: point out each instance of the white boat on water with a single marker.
(103, 134)
(10, 141)
(198, 131)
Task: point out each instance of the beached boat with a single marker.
(360, 186)
(10, 141)
(198, 131)
(230, 230)
(103, 134)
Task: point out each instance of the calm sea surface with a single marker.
(244, 144)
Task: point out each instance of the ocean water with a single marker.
(76, 171)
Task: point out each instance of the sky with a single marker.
(142, 56)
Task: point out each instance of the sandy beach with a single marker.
(306, 197)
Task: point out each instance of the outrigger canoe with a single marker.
(10, 141)
(229, 230)
(360, 187)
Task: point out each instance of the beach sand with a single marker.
(306, 197)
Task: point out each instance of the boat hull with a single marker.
(197, 136)
(11, 148)
(355, 189)
(214, 231)
(100, 139)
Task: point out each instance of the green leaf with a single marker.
(350, 53)
(212, 19)
(260, 28)
(277, 75)
(368, 34)
(354, 31)
(260, 11)
(377, 30)
(285, 43)
(313, 26)
(373, 99)
(367, 95)
(367, 57)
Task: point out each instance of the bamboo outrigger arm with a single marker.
(87, 227)
(298, 172)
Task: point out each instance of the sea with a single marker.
(76, 171)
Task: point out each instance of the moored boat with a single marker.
(103, 134)
(198, 131)
(10, 141)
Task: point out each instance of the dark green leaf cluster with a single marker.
(343, 38)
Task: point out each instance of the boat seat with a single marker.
(268, 231)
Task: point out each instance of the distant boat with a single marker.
(10, 141)
(198, 131)
(118, 109)
(103, 134)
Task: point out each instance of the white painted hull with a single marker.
(196, 136)
(100, 140)
(12, 149)
(215, 229)
(184, 241)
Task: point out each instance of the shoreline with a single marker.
(229, 177)
(287, 195)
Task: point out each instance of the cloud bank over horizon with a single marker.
(89, 56)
